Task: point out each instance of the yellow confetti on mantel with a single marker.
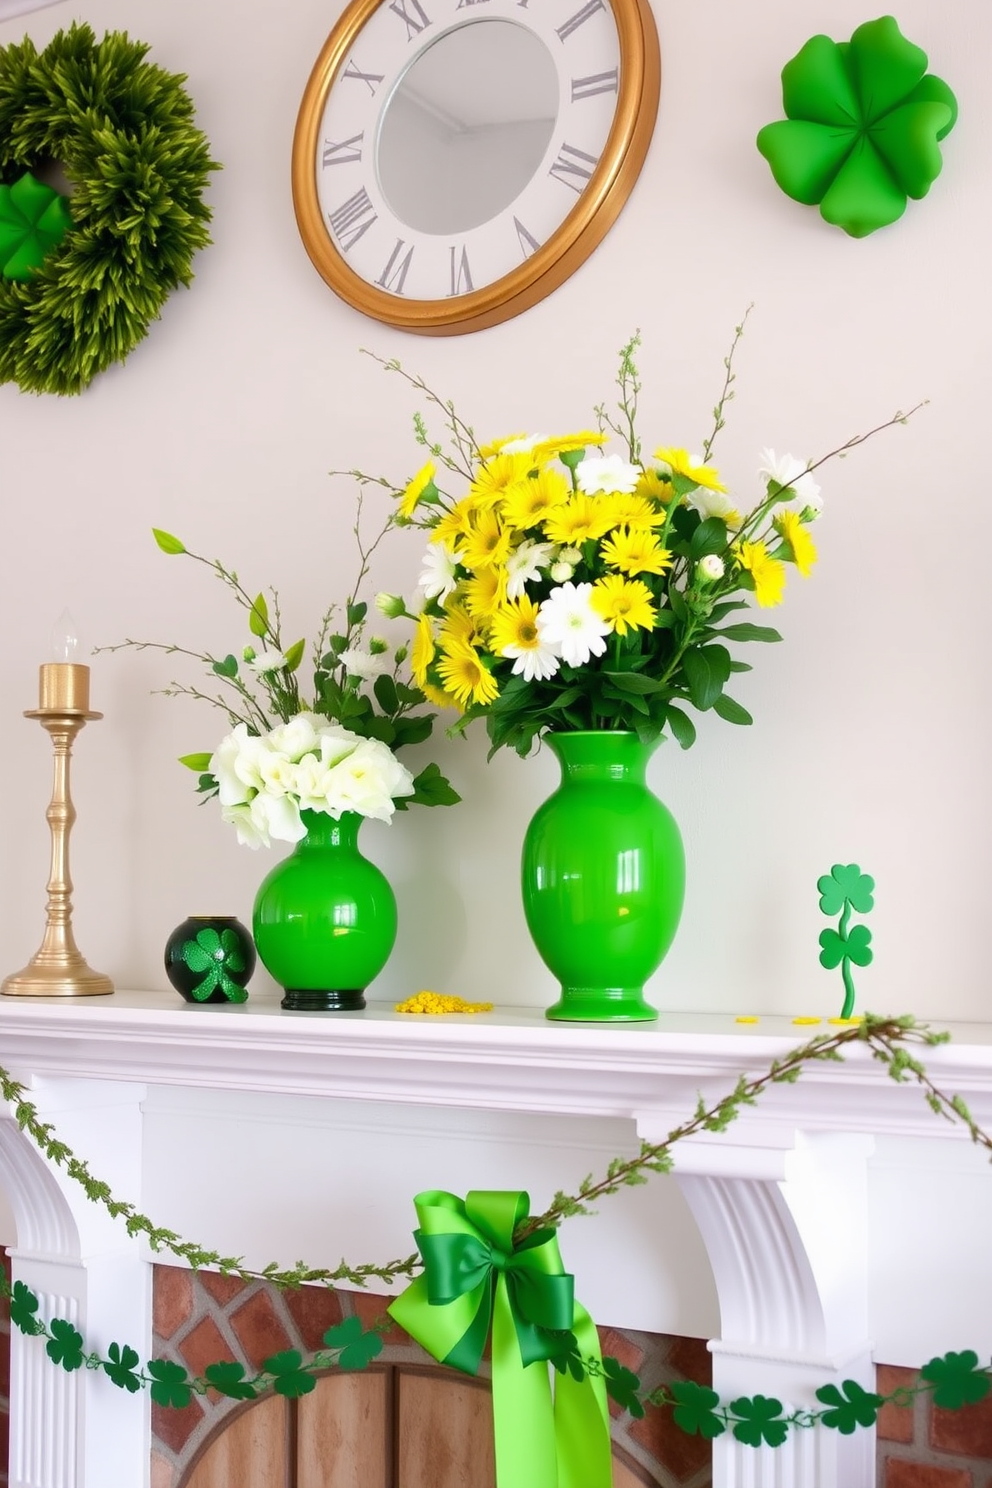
(439, 1002)
(746, 1018)
(809, 1021)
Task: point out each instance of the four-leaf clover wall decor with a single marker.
(863, 128)
(33, 221)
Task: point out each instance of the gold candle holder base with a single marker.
(58, 969)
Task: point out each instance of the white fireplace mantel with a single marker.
(781, 1199)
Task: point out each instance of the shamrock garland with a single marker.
(864, 121)
(954, 1379)
(89, 276)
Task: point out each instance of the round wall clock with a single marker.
(455, 160)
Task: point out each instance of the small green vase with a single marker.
(325, 918)
(603, 877)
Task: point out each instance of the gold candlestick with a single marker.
(58, 968)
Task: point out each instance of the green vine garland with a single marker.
(122, 130)
(953, 1379)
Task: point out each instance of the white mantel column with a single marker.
(77, 1430)
(785, 1225)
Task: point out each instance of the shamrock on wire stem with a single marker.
(845, 888)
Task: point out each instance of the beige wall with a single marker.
(869, 741)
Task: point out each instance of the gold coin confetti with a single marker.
(439, 1002)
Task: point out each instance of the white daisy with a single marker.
(569, 626)
(363, 664)
(524, 565)
(786, 470)
(607, 473)
(438, 575)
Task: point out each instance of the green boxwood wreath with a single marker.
(122, 130)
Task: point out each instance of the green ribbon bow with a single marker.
(475, 1278)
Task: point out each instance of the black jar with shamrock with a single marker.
(210, 958)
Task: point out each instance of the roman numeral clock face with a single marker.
(455, 160)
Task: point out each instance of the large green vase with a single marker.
(325, 918)
(603, 877)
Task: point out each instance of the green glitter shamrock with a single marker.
(217, 955)
(33, 220)
(845, 888)
(863, 127)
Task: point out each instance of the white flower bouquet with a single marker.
(265, 781)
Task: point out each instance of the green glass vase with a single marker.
(325, 918)
(603, 877)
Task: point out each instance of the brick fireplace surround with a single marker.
(163, 1101)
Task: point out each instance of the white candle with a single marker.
(64, 684)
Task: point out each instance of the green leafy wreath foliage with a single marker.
(953, 1379)
(122, 130)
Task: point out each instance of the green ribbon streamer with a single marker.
(476, 1281)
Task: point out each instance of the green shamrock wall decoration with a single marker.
(845, 888)
(863, 128)
(33, 220)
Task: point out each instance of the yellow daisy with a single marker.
(680, 462)
(580, 518)
(456, 523)
(768, 573)
(635, 510)
(655, 486)
(485, 592)
(529, 501)
(796, 535)
(487, 451)
(438, 696)
(634, 551)
(461, 626)
(624, 603)
(422, 649)
(516, 625)
(487, 542)
(415, 490)
(566, 444)
(466, 677)
(497, 473)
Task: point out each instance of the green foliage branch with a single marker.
(122, 129)
(385, 707)
(953, 1379)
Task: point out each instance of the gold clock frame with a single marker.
(569, 245)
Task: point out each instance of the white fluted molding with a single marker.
(789, 1252)
(66, 1429)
